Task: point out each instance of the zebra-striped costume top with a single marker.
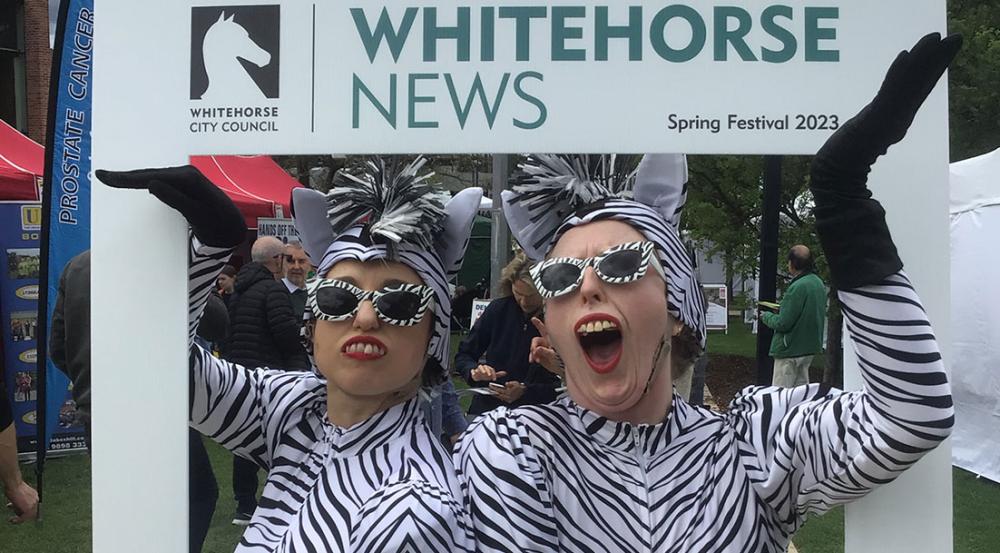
(384, 484)
(561, 478)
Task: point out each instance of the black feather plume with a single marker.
(389, 196)
(551, 187)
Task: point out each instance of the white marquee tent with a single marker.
(975, 313)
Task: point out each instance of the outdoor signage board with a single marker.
(716, 306)
(19, 281)
(282, 229)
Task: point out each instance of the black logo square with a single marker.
(234, 53)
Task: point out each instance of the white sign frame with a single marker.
(141, 95)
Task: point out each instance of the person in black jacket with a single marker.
(69, 339)
(498, 346)
(264, 333)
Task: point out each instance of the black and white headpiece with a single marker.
(554, 193)
(388, 210)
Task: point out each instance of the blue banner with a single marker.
(66, 229)
(20, 227)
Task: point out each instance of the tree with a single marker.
(974, 78)
(722, 215)
(722, 218)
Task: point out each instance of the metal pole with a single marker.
(768, 283)
(499, 234)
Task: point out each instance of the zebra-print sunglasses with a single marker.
(397, 304)
(621, 264)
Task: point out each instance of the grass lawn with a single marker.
(66, 528)
(738, 340)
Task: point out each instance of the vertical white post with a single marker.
(138, 293)
(913, 514)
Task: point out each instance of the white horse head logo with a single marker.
(224, 42)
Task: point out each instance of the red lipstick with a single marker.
(364, 348)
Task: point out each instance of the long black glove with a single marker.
(214, 218)
(851, 225)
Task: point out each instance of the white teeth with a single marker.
(365, 349)
(598, 326)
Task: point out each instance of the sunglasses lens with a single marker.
(622, 264)
(399, 306)
(559, 276)
(335, 302)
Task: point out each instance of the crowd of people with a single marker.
(327, 363)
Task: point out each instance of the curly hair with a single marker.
(518, 269)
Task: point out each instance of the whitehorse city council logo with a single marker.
(234, 53)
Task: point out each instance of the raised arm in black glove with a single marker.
(214, 218)
(851, 225)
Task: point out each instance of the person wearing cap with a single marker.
(622, 464)
(352, 465)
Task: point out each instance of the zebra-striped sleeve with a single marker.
(224, 398)
(204, 265)
(226, 406)
(412, 515)
(808, 448)
(505, 491)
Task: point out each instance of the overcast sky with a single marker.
(53, 15)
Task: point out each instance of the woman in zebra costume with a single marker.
(351, 463)
(624, 465)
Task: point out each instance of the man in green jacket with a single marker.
(798, 324)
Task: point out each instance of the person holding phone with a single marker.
(497, 351)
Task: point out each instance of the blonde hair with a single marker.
(518, 269)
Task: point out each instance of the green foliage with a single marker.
(974, 78)
(722, 214)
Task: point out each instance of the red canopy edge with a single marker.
(22, 164)
(255, 183)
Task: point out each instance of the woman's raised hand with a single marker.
(214, 218)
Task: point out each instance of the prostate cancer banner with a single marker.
(66, 194)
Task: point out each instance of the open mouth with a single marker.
(363, 348)
(600, 337)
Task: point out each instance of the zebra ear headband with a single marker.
(554, 193)
(551, 188)
(390, 211)
(394, 208)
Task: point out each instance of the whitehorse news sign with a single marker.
(441, 76)
(174, 79)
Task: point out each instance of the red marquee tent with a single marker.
(258, 185)
(21, 166)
